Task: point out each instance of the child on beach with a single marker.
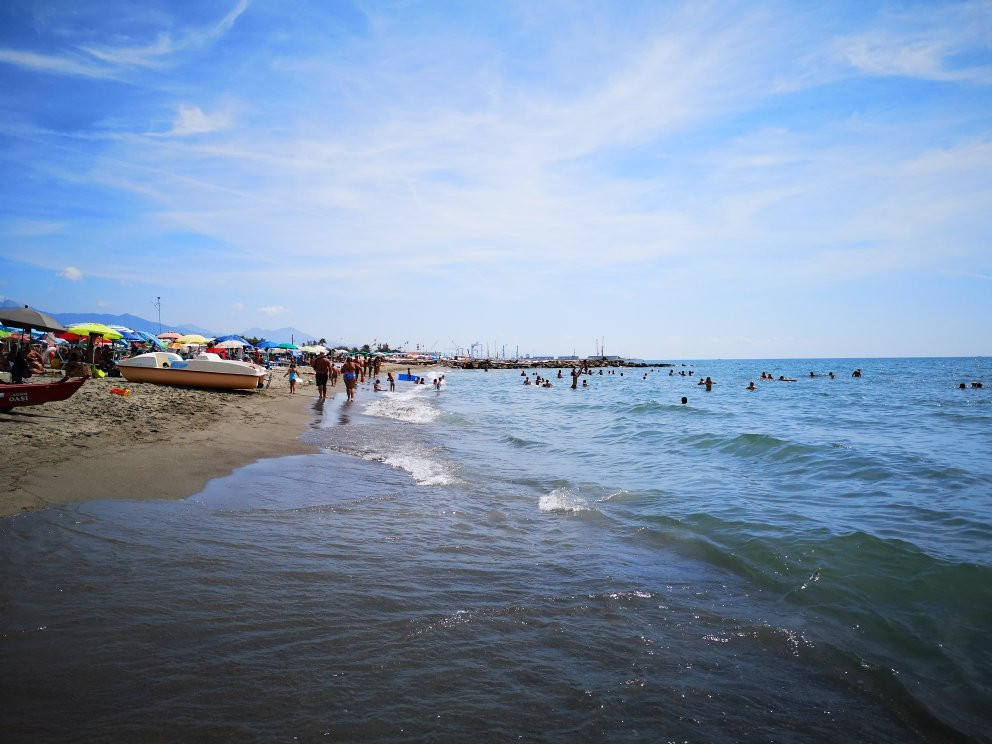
(293, 375)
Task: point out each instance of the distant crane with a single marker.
(475, 345)
(457, 347)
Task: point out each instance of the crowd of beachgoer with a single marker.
(706, 382)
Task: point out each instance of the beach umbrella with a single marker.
(28, 318)
(169, 336)
(231, 344)
(95, 329)
(242, 339)
(287, 346)
(127, 333)
(268, 345)
(149, 338)
(193, 338)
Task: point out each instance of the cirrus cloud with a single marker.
(71, 273)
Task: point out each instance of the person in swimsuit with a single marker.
(350, 372)
(321, 367)
(292, 374)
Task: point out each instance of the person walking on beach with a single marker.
(292, 374)
(321, 367)
(350, 372)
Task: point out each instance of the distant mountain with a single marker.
(128, 320)
(279, 335)
(131, 321)
(151, 326)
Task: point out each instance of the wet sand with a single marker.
(159, 442)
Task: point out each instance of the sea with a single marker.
(491, 561)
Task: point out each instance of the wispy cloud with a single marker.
(71, 273)
(273, 310)
(156, 53)
(112, 62)
(929, 42)
(192, 120)
(60, 65)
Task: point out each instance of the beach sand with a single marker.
(159, 442)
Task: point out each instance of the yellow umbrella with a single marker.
(94, 329)
(193, 338)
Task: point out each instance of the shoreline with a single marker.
(160, 442)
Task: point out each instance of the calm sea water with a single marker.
(808, 562)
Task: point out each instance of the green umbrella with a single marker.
(95, 329)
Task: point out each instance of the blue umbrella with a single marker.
(151, 339)
(245, 341)
(268, 345)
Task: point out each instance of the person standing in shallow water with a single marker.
(321, 367)
(575, 377)
(349, 370)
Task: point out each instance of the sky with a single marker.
(680, 180)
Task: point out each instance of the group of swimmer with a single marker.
(705, 382)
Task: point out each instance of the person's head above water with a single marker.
(684, 400)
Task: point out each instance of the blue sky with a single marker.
(687, 180)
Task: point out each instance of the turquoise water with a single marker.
(806, 562)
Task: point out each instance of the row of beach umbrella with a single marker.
(34, 321)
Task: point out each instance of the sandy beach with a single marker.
(159, 442)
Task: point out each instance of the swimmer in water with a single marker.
(585, 383)
(684, 400)
(752, 386)
(709, 385)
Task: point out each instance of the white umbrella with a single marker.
(230, 345)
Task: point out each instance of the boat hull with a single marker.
(203, 371)
(190, 378)
(28, 394)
